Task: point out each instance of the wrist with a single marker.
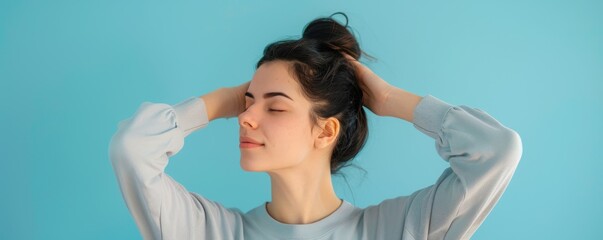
(402, 104)
(213, 102)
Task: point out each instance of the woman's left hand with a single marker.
(383, 98)
(376, 91)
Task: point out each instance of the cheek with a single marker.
(290, 137)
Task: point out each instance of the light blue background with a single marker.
(71, 70)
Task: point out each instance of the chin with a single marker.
(249, 166)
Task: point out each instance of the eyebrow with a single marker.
(269, 95)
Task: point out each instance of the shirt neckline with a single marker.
(310, 230)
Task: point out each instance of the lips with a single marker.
(247, 142)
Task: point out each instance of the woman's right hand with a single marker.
(226, 102)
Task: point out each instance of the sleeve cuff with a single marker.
(191, 115)
(429, 115)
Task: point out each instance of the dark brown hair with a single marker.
(328, 80)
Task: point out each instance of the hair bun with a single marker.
(335, 35)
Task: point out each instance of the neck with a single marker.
(302, 195)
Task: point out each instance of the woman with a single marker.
(301, 119)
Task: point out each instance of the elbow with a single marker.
(510, 147)
(120, 148)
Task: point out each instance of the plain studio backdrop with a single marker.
(71, 70)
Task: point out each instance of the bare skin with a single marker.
(302, 191)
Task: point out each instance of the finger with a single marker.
(348, 57)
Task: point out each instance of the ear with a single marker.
(327, 133)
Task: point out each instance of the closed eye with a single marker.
(275, 110)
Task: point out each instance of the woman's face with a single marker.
(276, 117)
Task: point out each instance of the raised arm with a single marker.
(140, 151)
(483, 155)
(226, 102)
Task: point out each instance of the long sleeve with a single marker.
(163, 208)
(483, 155)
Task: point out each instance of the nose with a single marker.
(247, 120)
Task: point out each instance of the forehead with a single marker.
(274, 76)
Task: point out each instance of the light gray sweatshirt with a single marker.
(482, 153)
